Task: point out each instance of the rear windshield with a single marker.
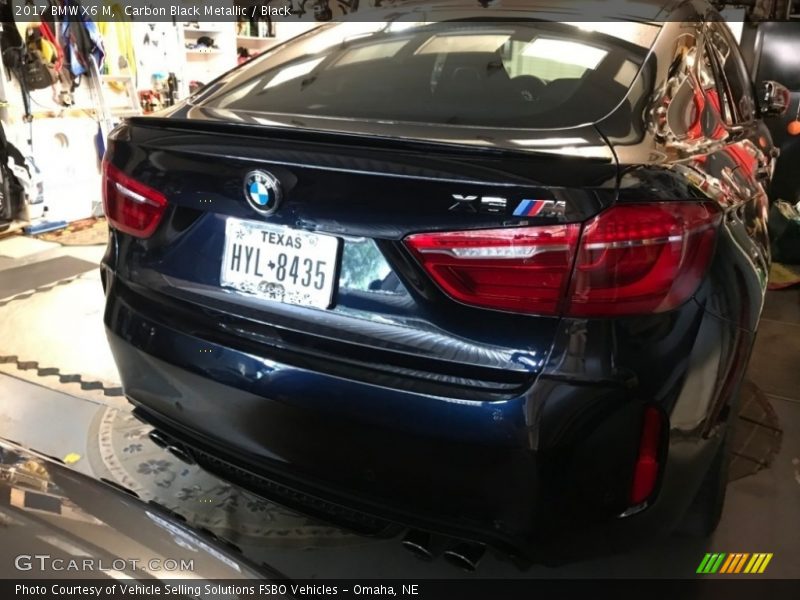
(526, 74)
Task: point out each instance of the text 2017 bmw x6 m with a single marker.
(467, 270)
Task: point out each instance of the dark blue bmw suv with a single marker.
(481, 273)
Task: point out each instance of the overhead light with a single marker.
(293, 72)
(641, 34)
(340, 33)
(463, 42)
(565, 52)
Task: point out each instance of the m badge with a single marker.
(540, 208)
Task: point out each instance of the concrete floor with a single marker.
(69, 403)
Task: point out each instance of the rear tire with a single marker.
(705, 512)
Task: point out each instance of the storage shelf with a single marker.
(254, 38)
(205, 64)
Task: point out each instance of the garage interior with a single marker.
(60, 394)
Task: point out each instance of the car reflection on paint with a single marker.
(58, 523)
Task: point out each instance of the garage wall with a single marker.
(775, 51)
(63, 146)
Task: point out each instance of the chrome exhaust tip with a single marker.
(158, 438)
(419, 543)
(181, 454)
(465, 556)
(163, 441)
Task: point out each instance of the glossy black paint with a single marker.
(49, 509)
(518, 431)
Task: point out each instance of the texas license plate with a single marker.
(279, 264)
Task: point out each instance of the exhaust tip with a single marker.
(181, 454)
(419, 544)
(465, 556)
(158, 438)
(163, 441)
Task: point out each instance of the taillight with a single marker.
(131, 206)
(645, 471)
(642, 258)
(629, 259)
(521, 270)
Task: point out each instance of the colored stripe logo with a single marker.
(734, 563)
(529, 208)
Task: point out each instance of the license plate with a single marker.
(278, 263)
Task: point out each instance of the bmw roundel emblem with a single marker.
(263, 191)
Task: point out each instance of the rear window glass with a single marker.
(525, 74)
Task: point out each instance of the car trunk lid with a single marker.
(388, 322)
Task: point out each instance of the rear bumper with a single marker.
(545, 473)
(377, 469)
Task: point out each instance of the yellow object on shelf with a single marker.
(118, 44)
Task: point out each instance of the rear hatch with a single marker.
(486, 138)
(387, 320)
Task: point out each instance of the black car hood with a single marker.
(91, 529)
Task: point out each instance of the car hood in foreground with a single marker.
(58, 523)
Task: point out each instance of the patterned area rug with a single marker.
(124, 453)
(782, 276)
(758, 434)
(88, 232)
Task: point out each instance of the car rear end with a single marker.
(446, 320)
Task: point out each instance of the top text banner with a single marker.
(180, 11)
(169, 11)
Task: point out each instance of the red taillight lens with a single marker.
(630, 259)
(131, 206)
(521, 270)
(645, 471)
(642, 258)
